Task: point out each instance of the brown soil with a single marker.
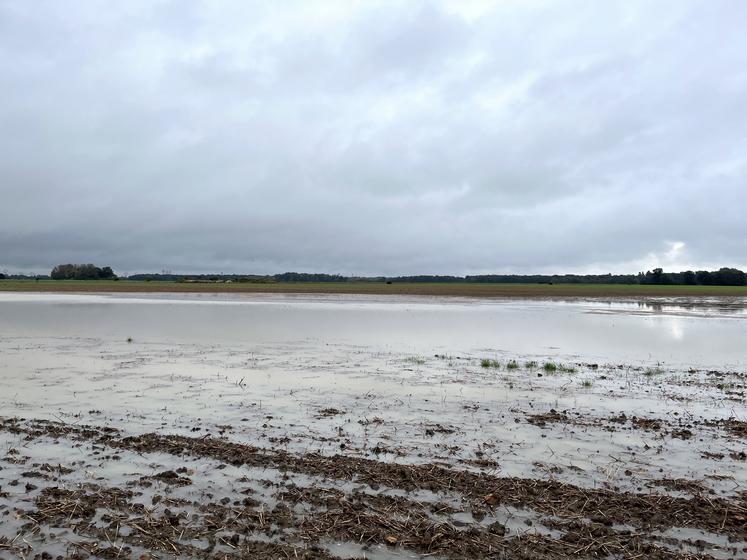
(680, 428)
(591, 523)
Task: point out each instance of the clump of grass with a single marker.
(530, 365)
(566, 369)
(487, 363)
(550, 367)
(587, 383)
(650, 372)
(415, 360)
(512, 364)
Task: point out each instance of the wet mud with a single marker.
(427, 509)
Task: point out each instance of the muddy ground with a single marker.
(126, 448)
(80, 491)
(82, 488)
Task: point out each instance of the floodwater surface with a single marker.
(632, 332)
(627, 398)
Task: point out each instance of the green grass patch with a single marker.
(550, 367)
(415, 360)
(487, 363)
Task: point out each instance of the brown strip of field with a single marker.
(376, 288)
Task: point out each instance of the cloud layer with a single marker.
(373, 138)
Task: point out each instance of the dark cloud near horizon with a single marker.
(373, 138)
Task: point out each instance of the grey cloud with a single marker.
(369, 138)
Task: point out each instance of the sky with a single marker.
(373, 138)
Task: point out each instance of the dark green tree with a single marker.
(81, 272)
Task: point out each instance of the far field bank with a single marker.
(481, 290)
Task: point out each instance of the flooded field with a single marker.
(281, 426)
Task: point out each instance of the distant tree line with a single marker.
(284, 277)
(721, 277)
(158, 277)
(306, 277)
(526, 279)
(24, 276)
(81, 272)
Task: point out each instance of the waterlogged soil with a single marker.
(111, 499)
(314, 447)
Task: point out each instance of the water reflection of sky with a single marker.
(677, 329)
(707, 333)
(735, 306)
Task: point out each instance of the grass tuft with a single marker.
(550, 367)
(415, 360)
(650, 372)
(487, 363)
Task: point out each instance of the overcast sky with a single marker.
(373, 137)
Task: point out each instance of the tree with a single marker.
(63, 272)
(729, 277)
(81, 272)
(703, 277)
(689, 278)
(654, 276)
